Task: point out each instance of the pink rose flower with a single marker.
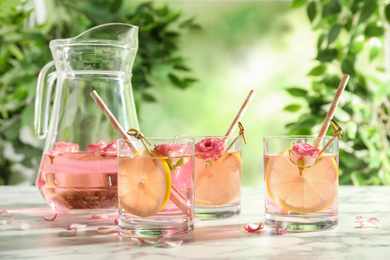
(304, 151)
(66, 147)
(174, 151)
(209, 148)
(97, 146)
(111, 147)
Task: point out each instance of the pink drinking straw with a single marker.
(329, 115)
(240, 114)
(175, 196)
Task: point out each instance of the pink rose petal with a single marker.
(71, 233)
(374, 221)
(173, 244)
(116, 221)
(98, 216)
(9, 221)
(252, 227)
(50, 218)
(25, 226)
(281, 232)
(151, 241)
(76, 226)
(106, 230)
(4, 213)
(359, 219)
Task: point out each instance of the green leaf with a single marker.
(331, 8)
(351, 130)
(298, 3)
(347, 66)
(357, 179)
(292, 107)
(334, 33)
(148, 97)
(297, 92)
(327, 55)
(312, 11)
(356, 45)
(375, 48)
(346, 3)
(374, 29)
(382, 92)
(387, 13)
(318, 71)
(368, 9)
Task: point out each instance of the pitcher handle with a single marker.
(46, 79)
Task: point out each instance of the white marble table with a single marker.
(222, 239)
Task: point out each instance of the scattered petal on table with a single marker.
(359, 219)
(173, 244)
(50, 218)
(4, 213)
(252, 227)
(153, 241)
(116, 221)
(98, 216)
(25, 226)
(106, 230)
(76, 226)
(6, 221)
(71, 233)
(281, 232)
(371, 223)
(374, 221)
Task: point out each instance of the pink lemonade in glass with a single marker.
(217, 176)
(301, 184)
(79, 181)
(155, 190)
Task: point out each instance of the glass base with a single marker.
(217, 212)
(301, 222)
(153, 229)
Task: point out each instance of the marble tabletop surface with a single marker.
(214, 239)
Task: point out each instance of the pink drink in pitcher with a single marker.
(73, 180)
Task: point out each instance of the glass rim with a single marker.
(214, 136)
(156, 139)
(310, 137)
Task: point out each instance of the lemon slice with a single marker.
(219, 182)
(314, 190)
(144, 184)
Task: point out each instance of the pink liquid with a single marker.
(79, 180)
(279, 213)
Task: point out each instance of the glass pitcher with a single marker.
(78, 170)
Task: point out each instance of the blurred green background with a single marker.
(210, 54)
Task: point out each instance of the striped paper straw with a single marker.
(329, 115)
(176, 197)
(240, 114)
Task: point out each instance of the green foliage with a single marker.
(350, 41)
(24, 50)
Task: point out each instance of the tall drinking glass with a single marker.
(217, 176)
(155, 187)
(301, 182)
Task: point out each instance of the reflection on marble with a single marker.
(215, 239)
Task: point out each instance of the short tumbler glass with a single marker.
(156, 187)
(217, 176)
(301, 182)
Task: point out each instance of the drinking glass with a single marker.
(156, 187)
(217, 176)
(301, 182)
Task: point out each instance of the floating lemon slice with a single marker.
(144, 184)
(314, 190)
(219, 182)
